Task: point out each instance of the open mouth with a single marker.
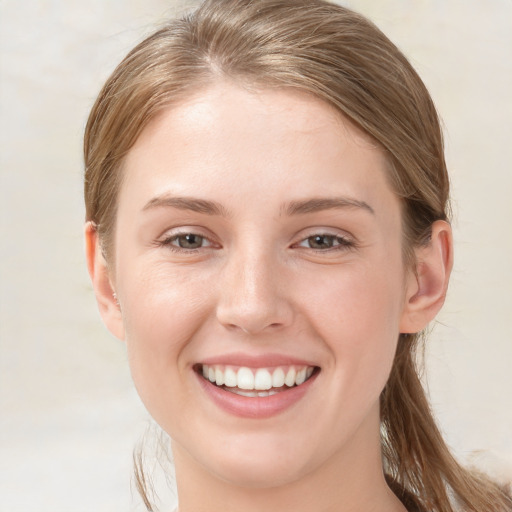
(256, 382)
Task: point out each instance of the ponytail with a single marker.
(419, 466)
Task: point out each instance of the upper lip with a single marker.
(256, 361)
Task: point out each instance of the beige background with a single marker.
(69, 415)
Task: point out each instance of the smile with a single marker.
(256, 382)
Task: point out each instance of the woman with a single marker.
(267, 207)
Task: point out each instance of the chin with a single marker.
(258, 473)
(258, 461)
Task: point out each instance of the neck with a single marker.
(351, 480)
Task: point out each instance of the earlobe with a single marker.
(426, 290)
(101, 281)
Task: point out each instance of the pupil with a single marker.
(320, 242)
(190, 241)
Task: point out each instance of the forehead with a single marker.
(267, 144)
(228, 108)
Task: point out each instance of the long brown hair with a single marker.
(343, 59)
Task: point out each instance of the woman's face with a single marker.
(258, 242)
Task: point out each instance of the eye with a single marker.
(325, 242)
(188, 241)
(185, 242)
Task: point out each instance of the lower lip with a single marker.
(255, 407)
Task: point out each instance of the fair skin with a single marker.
(295, 261)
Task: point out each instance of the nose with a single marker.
(253, 295)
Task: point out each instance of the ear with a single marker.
(427, 285)
(100, 276)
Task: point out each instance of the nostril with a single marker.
(249, 330)
(253, 316)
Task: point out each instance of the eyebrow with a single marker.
(299, 207)
(325, 203)
(187, 203)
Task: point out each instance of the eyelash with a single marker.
(343, 243)
(168, 242)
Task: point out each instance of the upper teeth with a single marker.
(260, 378)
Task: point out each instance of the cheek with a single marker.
(359, 301)
(162, 307)
(357, 314)
(161, 313)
